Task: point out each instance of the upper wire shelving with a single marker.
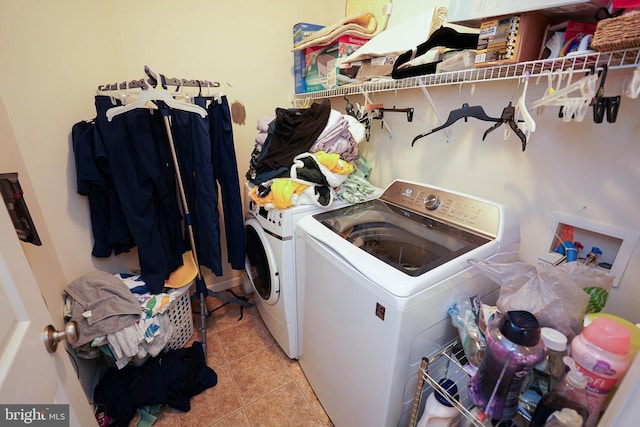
(618, 59)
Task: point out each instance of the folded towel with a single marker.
(102, 304)
(360, 25)
(401, 37)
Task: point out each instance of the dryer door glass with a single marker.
(258, 265)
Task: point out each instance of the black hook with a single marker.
(349, 108)
(605, 105)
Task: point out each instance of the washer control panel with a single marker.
(458, 209)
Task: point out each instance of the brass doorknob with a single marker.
(52, 337)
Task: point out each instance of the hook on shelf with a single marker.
(435, 112)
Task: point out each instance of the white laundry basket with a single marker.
(181, 317)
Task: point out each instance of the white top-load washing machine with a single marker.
(376, 280)
(270, 265)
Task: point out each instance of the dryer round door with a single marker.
(260, 262)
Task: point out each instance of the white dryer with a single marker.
(271, 266)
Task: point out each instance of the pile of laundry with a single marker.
(128, 396)
(119, 316)
(308, 156)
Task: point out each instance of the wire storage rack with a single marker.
(450, 362)
(619, 59)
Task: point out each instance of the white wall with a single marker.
(55, 54)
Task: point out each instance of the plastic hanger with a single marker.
(155, 94)
(508, 118)
(527, 125)
(605, 105)
(550, 89)
(465, 112)
(633, 88)
(210, 95)
(586, 86)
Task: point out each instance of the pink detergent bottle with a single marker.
(601, 353)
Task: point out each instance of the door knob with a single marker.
(52, 337)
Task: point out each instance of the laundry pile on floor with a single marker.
(171, 378)
(118, 315)
(308, 156)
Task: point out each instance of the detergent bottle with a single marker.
(549, 372)
(601, 353)
(569, 393)
(513, 348)
(438, 411)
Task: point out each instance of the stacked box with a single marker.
(323, 62)
(301, 31)
(510, 39)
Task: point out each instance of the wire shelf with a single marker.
(449, 362)
(618, 59)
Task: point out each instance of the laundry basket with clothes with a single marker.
(119, 316)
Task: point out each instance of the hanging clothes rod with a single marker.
(154, 88)
(151, 82)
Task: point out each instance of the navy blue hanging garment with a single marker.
(143, 176)
(225, 172)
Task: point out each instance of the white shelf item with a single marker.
(471, 12)
(621, 59)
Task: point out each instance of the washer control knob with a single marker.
(431, 202)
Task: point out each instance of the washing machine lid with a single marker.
(409, 242)
(452, 222)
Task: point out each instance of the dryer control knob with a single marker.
(431, 202)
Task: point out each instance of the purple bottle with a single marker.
(513, 349)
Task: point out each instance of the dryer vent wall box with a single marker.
(616, 243)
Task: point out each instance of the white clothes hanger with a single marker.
(550, 89)
(528, 125)
(586, 86)
(155, 94)
(633, 88)
(218, 95)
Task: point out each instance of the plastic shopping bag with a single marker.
(549, 293)
(597, 283)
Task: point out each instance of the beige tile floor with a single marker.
(258, 385)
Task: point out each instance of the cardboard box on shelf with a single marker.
(564, 38)
(510, 39)
(323, 62)
(301, 31)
